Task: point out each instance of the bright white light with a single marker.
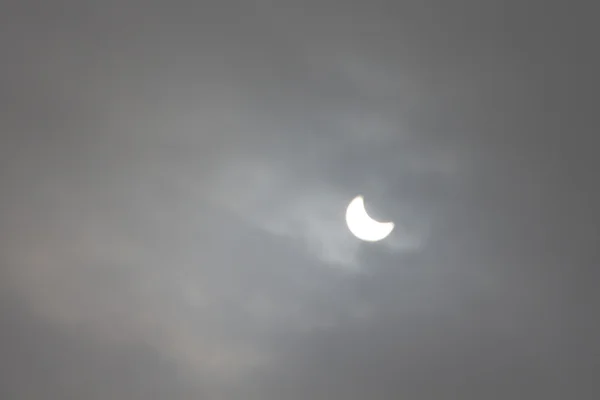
(362, 225)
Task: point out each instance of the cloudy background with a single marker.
(173, 179)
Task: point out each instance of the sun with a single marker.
(362, 225)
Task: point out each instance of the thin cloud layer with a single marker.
(311, 216)
(174, 180)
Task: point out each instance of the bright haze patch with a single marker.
(306, 213)
(362, 225)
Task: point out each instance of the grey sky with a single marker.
(173, 179)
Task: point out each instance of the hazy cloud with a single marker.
(174, 179)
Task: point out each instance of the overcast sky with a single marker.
(174, 177)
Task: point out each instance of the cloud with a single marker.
(174, 185)
(270, 197)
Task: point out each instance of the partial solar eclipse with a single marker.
(362, 225)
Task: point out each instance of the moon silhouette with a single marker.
(362, 225)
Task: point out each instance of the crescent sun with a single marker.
(362, 225)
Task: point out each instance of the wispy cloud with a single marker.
(311, 216)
